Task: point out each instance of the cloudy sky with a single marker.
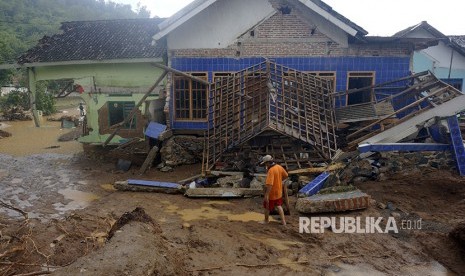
(378, 17)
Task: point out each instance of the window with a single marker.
(118, 111)
(358, 80)
(190, 97)
(456, 83)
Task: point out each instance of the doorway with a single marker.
(359, 80)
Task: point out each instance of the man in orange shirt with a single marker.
(274, 188)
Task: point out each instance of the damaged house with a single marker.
(112, 63)
(446, 60)
(275, 67)
(290, 78)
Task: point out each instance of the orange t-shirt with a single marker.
(276, 175)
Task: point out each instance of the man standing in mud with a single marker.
(274, 188)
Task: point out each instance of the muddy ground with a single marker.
(71, 208)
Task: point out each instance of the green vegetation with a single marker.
(24, 22)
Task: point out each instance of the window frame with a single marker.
(191, 109)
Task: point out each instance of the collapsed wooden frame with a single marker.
(270, 97)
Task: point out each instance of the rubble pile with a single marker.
(16, 114)
(181, 150)
(380, 165)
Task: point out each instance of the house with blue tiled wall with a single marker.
(211, 39)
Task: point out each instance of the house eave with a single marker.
(81, 62)
(346, 28)
(172, 23)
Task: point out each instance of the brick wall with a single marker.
(288, 35)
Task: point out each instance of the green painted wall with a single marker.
(119, 78)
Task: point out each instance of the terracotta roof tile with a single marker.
(98, 40)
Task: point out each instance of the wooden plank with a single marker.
(125, 186)
(332, 167)
(149, 160)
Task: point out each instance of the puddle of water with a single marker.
(278, 244)
(108, 187)
(79, 200)
(27, 139)
(207, 212)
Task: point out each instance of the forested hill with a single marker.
(24, 22)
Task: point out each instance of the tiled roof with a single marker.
(459, 40)
(98, 40)
(423, 24)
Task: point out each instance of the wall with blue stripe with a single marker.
(385, 68)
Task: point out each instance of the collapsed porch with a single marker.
(254, 109)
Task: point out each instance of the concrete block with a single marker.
(338, 202)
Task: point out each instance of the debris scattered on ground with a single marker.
(141, 239)
(16, 114)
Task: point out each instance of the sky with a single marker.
(381, 18)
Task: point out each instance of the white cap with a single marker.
(266, 158)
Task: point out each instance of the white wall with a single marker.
(440, 54)
(220, 24)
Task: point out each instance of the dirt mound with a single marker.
(137, 215)
(458, 234)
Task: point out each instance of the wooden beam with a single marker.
(64, 90)
(177, 72)
(398, 111)
(149, 160)
(133, 111)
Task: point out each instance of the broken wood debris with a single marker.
(332, 167)
(149, 186)
(149, 160)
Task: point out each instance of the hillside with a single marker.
(24, 22)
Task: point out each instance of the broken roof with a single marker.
(318, 6)
(422, 24)
(98, 40)
(459, 40)
(455, 42)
